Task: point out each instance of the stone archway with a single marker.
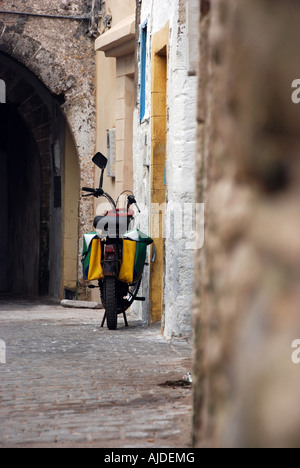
(63, 59)
(44, 149)
(60, 58)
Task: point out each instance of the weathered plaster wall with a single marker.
(181, 137)
(247, 278)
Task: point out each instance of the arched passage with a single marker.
(37, 157)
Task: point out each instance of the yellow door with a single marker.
(158, 165)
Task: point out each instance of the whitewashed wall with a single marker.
(181, 149)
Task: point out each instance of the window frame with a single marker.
(144, 41)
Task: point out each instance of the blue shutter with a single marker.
(143, 71)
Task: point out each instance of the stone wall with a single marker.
(247, 302)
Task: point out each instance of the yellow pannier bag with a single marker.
(91, 257)
(127, 269)
(95, 268)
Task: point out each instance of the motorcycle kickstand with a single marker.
(103, 321)
(125, 320)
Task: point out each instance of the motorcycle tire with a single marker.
(111, 304)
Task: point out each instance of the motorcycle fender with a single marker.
(110, 263)
(110, 269)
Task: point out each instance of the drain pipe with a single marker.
(44, 15)
(91, 17)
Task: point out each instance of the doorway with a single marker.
(39, 189)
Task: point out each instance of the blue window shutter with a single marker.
(143, 71)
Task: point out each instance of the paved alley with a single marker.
(69, 383)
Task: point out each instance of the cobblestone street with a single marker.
(69, 383)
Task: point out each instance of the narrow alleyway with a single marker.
(68, 383)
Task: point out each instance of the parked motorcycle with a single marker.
(113, 255)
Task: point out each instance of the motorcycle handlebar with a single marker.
(95, 192)
(100, 193)
(132, 201)
(86, 189)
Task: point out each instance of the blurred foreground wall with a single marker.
(247, 293)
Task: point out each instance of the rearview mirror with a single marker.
(100, 160)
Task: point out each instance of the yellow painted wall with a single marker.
(106, 112)
(120, 9)
(115, 107)
(71, 194)
(124, 122)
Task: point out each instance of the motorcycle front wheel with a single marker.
(111, 303)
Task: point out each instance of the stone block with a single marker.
(80, 304)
